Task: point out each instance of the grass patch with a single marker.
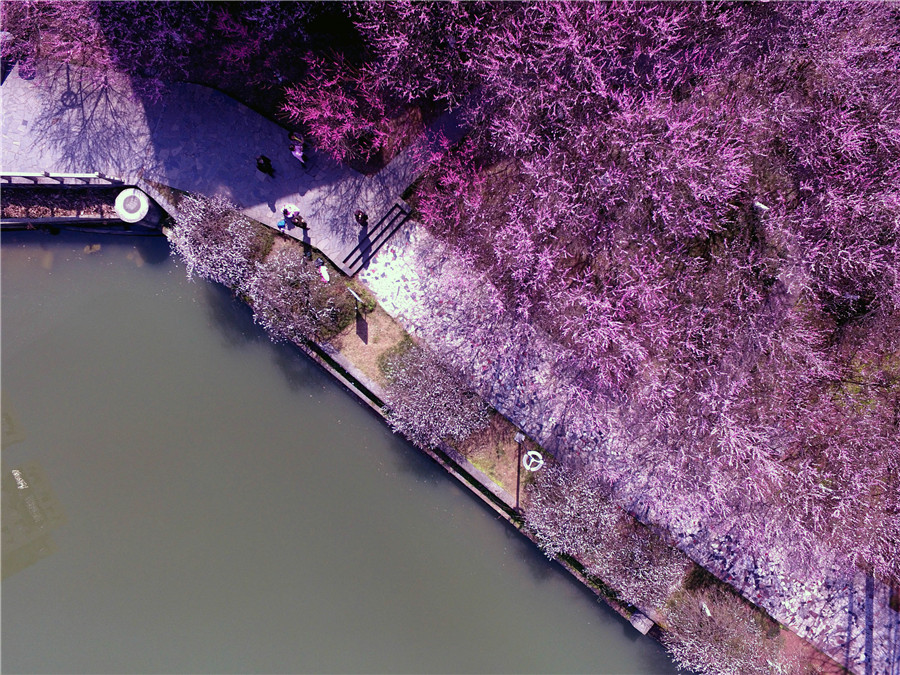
(494, 451)
(365, 341)
(264, 240)
(369, 303)
(401, 347)
(699, 578)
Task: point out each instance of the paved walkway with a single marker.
(196, 139)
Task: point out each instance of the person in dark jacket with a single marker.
(264, 164)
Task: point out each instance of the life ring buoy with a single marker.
(132, 205)
(533, 460)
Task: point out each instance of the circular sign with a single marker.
(132, 205)
(533, 460)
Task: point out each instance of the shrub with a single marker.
(428, 402)
(714, 632)
(567, 512)
(641, 566)
(292, 302)
(570, 513)
(217, 242)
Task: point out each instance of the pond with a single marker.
(198, 499)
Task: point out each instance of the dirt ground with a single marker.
(495, 451)
(364, 340)
(802, 652)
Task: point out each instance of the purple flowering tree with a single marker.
(699, 204)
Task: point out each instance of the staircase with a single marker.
(375, 238)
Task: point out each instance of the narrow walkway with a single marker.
(68, 119)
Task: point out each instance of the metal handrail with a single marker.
(60, 178)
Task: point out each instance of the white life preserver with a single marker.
(132, 205)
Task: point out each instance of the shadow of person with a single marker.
(364, 245)
(362, 328)
(307, 243)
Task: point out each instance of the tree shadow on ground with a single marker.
(90, 119)
(153, 250)
(331, 207)
(233, 317)
(334, 203)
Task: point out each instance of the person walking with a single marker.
(298, 147)
(299, 155)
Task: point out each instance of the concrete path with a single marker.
(196, 139)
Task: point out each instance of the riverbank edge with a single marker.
(457, 466)
(494, 497)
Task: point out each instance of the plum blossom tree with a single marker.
(699, 204)
(150, 40)
(337, 104)
(713, 632)
(291, 300)
(217, 242)
(428, 402)
(567, 512)
(570, 513)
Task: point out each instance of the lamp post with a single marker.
(520, 437)
(359, 300)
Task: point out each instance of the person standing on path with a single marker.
(298, 147)
(264, 164)
(292, 215)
